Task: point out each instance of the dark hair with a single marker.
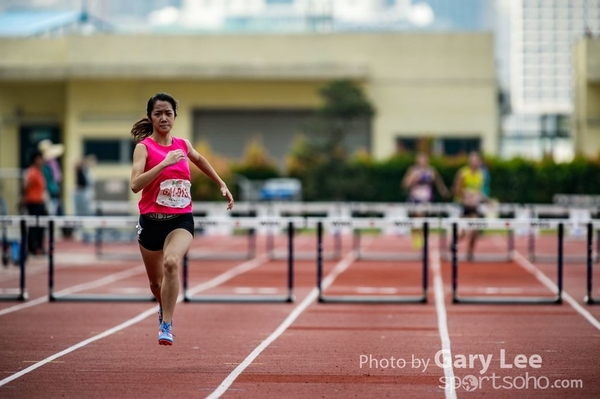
(34, 156)
(143, 128)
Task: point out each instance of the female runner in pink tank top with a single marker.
(166, 225)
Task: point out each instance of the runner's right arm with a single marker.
(139, 178)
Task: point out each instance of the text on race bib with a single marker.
(421, 193)
(471, 197)
(174, 193)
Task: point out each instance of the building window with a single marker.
(439, 146)
(459, 146)
(109, 151)
(406, 144)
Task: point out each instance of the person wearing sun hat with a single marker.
(52, 173)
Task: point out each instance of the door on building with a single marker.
(30, 136)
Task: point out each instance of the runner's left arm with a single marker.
(209, 171)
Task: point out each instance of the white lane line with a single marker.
(25, 305)
(442, 318)
(541, 277)
(81, 344)
(308, 300)
(246, 266)
(111, 278)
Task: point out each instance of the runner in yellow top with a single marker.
(469, 192)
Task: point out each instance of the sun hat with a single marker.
(49, 150)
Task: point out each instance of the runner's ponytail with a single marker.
(141, 129)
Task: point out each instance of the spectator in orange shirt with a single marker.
(34, 197)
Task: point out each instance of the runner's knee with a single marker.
(171, 263)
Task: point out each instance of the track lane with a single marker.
(338, 335)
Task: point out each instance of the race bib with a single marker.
(471, 197)
(421, 193)
(174, 193)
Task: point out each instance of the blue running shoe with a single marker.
(165, 337)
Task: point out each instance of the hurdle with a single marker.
(6, 255)
(224, 298)
(279, 255)
(5, 222)
(199, 223)
(481, 257)
(589, 298)
(561, 212)
(446, 253)
(101, 223)
(366, 223)
(498, 224)
(302, 212)
(235, 223)
(370, 299)
(370, 216)
(78, 222)
(505, 212)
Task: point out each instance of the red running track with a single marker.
(304, 349)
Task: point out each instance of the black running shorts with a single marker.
(471, 211)
(152, 232)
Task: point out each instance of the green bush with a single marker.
(512, 181)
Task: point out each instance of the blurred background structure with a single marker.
(508, 78)
(541, 58)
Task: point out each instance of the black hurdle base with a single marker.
(21, 294)
(289, 298)
(499, 300)
(549, 258)
(239, 299)
(505, 300)
(370, 299)
(52, 297)
(99, 298)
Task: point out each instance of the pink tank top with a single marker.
(170, 191)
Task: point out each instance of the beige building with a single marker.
(586, 114)
(86, 92)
